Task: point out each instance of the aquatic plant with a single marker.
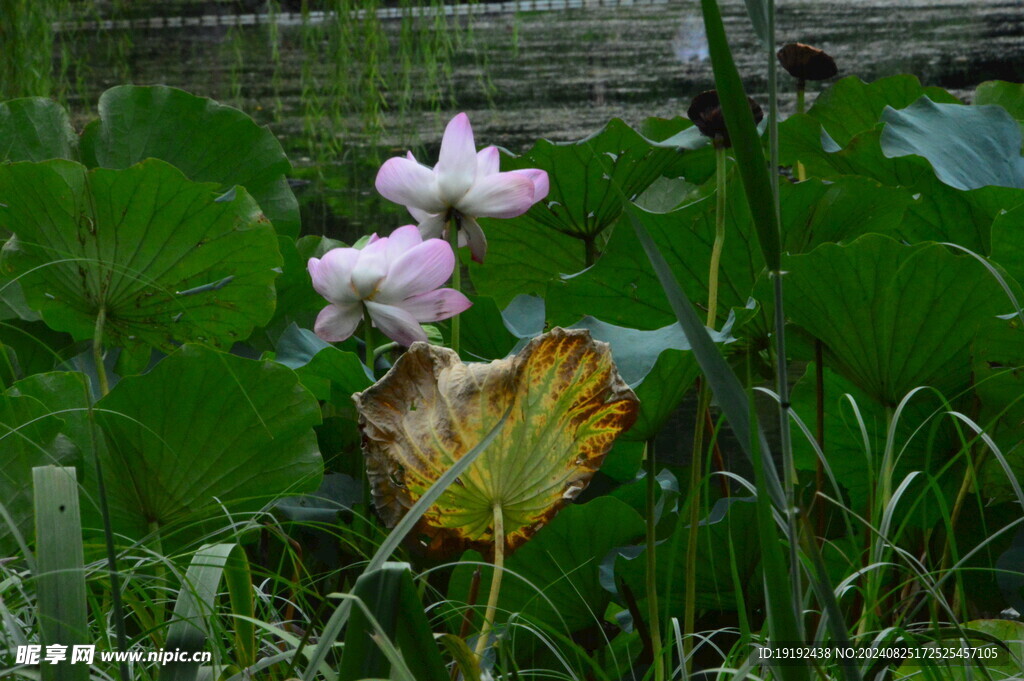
(179, 444)
(394, 279)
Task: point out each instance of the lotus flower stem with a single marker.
(590, 252)
(108, 532)
(703, 404)
(716, 249)
(693, 502)
(819, 474)
(453, 239)
(801, 86)
(97, 351)
(368, 335)
(651, 563)
(499, 570)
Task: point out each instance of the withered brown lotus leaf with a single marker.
(805, 62)
(568, 406)
(706, 113)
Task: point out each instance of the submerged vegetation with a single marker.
(488, 478)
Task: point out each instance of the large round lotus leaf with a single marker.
(938, 212)
(852, 106)
(1010, 96)
(326, 370)
(923, 439)
(202, 429)
(207, 141)
(35, 129)
(168, 260)
(731, 521)
(29, 437)
(568, 404)
(893, 317)
(588, 180)
(968, 146)
(623, 289)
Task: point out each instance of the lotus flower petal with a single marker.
(436, 305)
(336, 323)
(504, 195)
(332, 275)
(568, 406)
(421, 268)
(410, 184)
(488, 161)
(393, 277)
(371, 268)
(541, 184)
(473, 237)
(395, 323)
(464, 182)
(456, 164)
(402, 240)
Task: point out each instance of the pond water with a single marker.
(544, 68)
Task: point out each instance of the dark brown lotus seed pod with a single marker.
(706, 114)
(806, 63)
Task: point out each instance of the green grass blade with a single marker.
(743, 133)
(238, 579)
(757, 10)
(391, 600)
(60, 569)
(822, 586)
(340, 616)
(782, 609)
(196, 604)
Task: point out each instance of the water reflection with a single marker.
(690, 43)
(525, 74)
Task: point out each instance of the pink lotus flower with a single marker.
(394, 278)
(464, 184)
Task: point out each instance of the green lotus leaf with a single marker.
(586, 180)
(560, 566)
(968, 146)
(658, 365)
(207, 141)
(923, 439)
(1010, 96)
(1008, 241)
(35, 129)
(623, 289)
(568, 404)
(999, 386)
(1006, 661)
(164, 257)
(484, 335)
(697, 166)
(327, 371)
(32, 348)
(938, 212)
(67, 394)
(851, 106)
(731, 520)
(202, 429)
(30, 436)
(587, 177)
(12, 301)
(893, 317)
(297, 302)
